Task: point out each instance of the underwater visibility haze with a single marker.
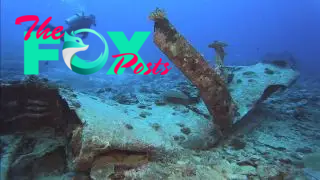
(217, 90)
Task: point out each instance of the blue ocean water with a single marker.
(251, 28)
(167, 116)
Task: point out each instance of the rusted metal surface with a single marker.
(212, 88)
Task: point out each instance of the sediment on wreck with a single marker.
(37, 124)
(212, 88)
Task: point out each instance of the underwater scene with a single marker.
(148, 90)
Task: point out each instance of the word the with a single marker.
(128, 56)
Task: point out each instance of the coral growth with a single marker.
(157, 14)
(219, 46)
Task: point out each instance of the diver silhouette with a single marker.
(75, 22)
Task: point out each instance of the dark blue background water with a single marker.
(251, 28)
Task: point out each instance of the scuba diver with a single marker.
(75, 22)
